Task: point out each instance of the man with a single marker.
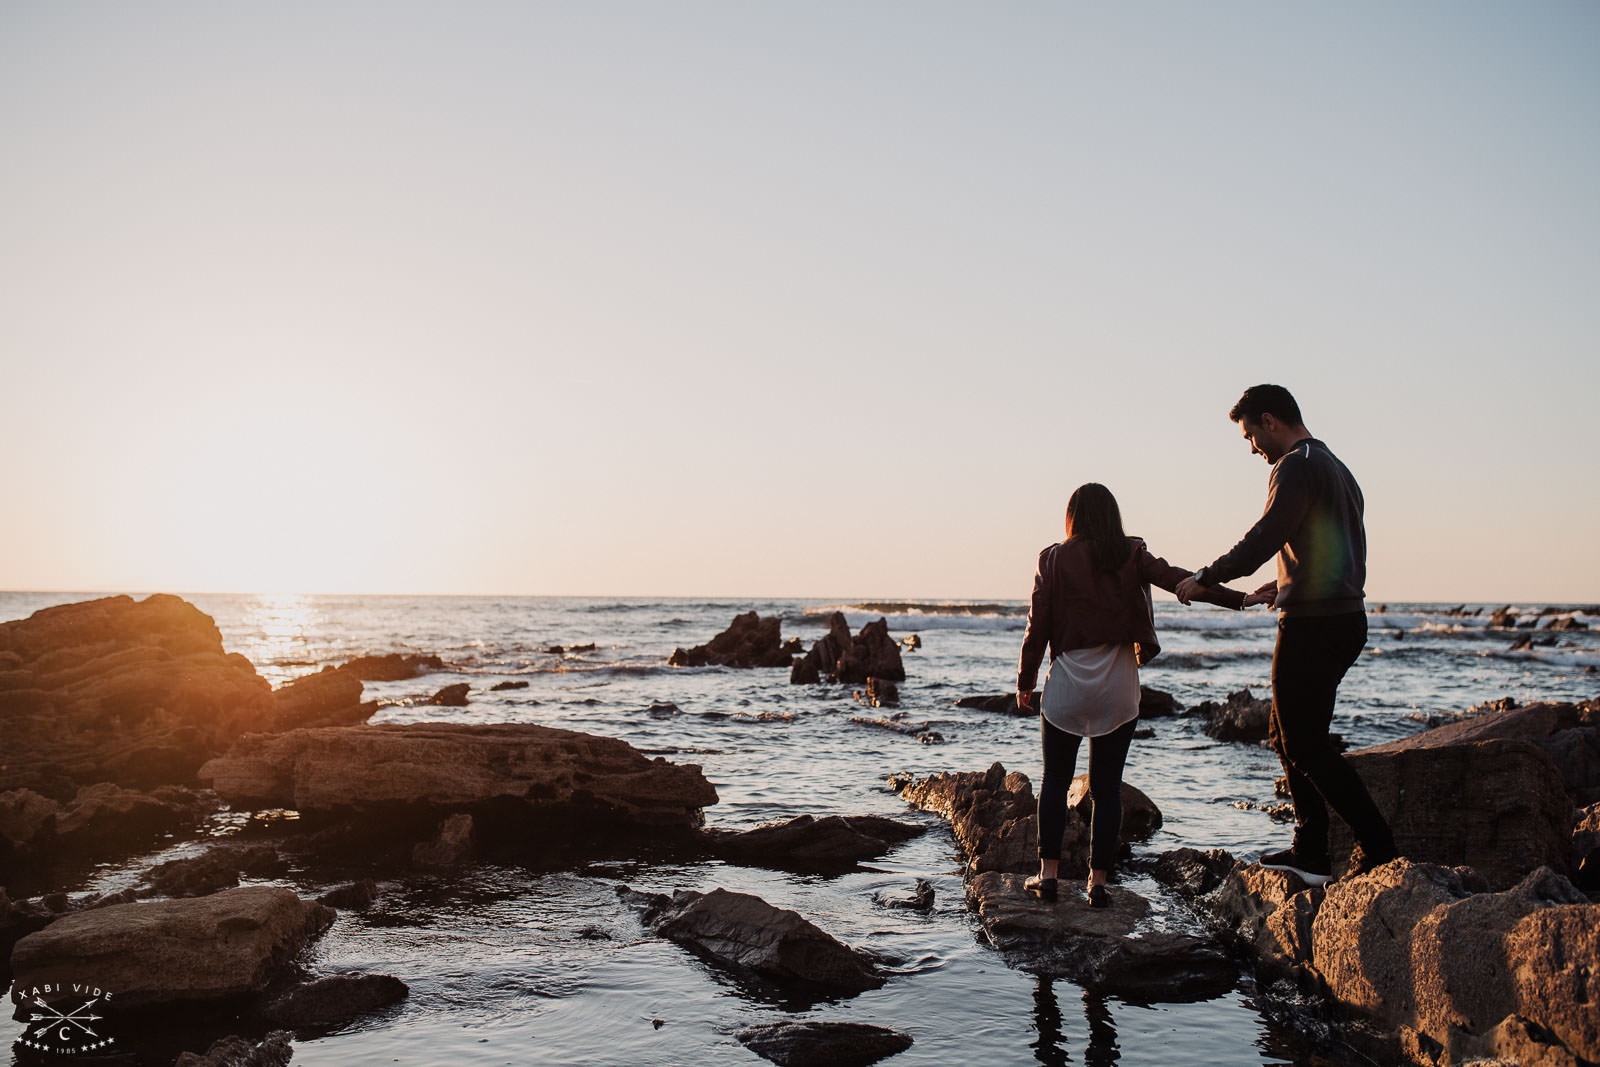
(1313, 522)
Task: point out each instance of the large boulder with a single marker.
(328, 698)
(838, 657)
(391, 667)
(137, 693)
(746, 934)
(749, 641)
(526, 768)
(810, 1043)
(334, 1000)
(807, 843)
(1242, 717)
(217, 947)
(992, 815)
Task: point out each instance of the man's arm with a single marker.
(1288, 498)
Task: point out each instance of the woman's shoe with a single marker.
(1043, 888)
(1098, 897)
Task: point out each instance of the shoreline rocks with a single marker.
(823, 1044)
(838, 657)
(749, 641)
(833, 842)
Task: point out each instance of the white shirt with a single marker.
(1092, 691)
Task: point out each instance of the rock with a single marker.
(1268, 913)
(1503, 618)
(524, 768)
(18, 919)
(880, 694)
(209, 948)
(749, 641)
(274, 1050)
(823, 1044)
(328, 698)
(991, 814)
(214, 870)
(452, 848)
(745, 933)
(1005, 703)
(1241, 718)
(451, 696)
(912, 642)
(1140, 816)
(137, 693)
(334, 1000)
(1190, 872)
(922, 731)
(1586, 848)
(106, 816)
(355, 895)
(1495, 805)
(501, 687)
(1412, 945)
(23, 813)
(1566, 622)
(834, 842)
(394, 667)
(921, 898)
(1156, 704)
(838, 657)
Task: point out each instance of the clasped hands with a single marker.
(1188, 589)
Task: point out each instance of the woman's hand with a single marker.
(1267, 594)
(1024, 700)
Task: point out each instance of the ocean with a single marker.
(510, 965)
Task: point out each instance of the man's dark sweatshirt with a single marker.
(1313, 522)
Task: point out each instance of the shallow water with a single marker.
(509, 965)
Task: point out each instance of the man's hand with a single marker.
(1187, 590)
(1267, 594)
(1024, 700)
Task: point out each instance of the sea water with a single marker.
(511, 965)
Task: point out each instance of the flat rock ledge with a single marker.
(993, 817)
(212, 948)
(1458, 972)
(823, 1044)
(537, 770)
(807, 843)
(745, 934)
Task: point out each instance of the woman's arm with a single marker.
(1037, 635)
(1157, 571)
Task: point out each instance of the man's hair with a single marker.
(1258, 400)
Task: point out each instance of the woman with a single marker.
(1091, 604)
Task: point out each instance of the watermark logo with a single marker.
(64, 1019)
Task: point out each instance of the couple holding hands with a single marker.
(1091, 607)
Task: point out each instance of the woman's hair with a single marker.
(1093, 516)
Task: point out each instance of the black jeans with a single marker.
(1107, 754)
(1311, 657)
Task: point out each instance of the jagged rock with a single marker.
(328, 698)
(991, 814)
(530, 768)
(106, 816)
(1190, 872)
(137, 693)
(1140, 816)
(1567, 622)
(1157, 704)
(216, 869)
(1412, 945)
(501, 687)
(1267, 912)
(879, 694)
(334, 1000)
(23, 813)
(275, 1050)
(922, 731)
(356, 895)
(823, 1044)
(224, 945)
(912, 642)
(1240, 718)
(1586, 848)
(1503, 618)
(451, 696)
(749, 641)
(1495, 805)
(921, 898)
(808, 843)
(838, 657)
(745, 933)
(393, 667)
(452, 848)
(1005, 703)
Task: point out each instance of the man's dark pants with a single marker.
(1311, 657)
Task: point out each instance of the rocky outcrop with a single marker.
(823, 1044)
(522, 770)
(992, 814)
(99, 820)
(1586, 848)
(451, 696)
(215, 870)
(275, 1050)
(393, 667)
(746, 934)
(806, 843)
(1190, 872)
(328, 698)
(749, 641)
(922, 731)
(838, 657)
(1156, 703)
(137, 693)
(333, 1001)
(1242, 717)
(1004, 703)
(452, 848)
(879, 694)
(355, 895)
(216, 947)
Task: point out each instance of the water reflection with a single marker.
(1051, 1048)
(277, 634)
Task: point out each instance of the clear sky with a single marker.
(820, 298)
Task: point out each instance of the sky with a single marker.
(786, 299)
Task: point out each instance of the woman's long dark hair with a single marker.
(1093, 516)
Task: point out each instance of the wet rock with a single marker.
(501, 687)
(328, 698)
(1005, 703)
(749, 641)
(1156, 704)
(745, 933)
(275, 1050)
(215, 947)
(1241, 717)
(106, 816)
(1503, 618)
(1566, 622)
(1140, 816)
(523, 768)
(18, 919)
(833, 842)
(355, 895)
(452, 848)
(823, 1044)
(394, 667)
(879, 694)
(334, 1000)
(991, 814)
(1190, 872)
(137, 693)
(922, 731)
(920, 898)
(1586, 848)
(451, 696)
(1267, 913)
(912, 642)
(838, 657)
(215, 870)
